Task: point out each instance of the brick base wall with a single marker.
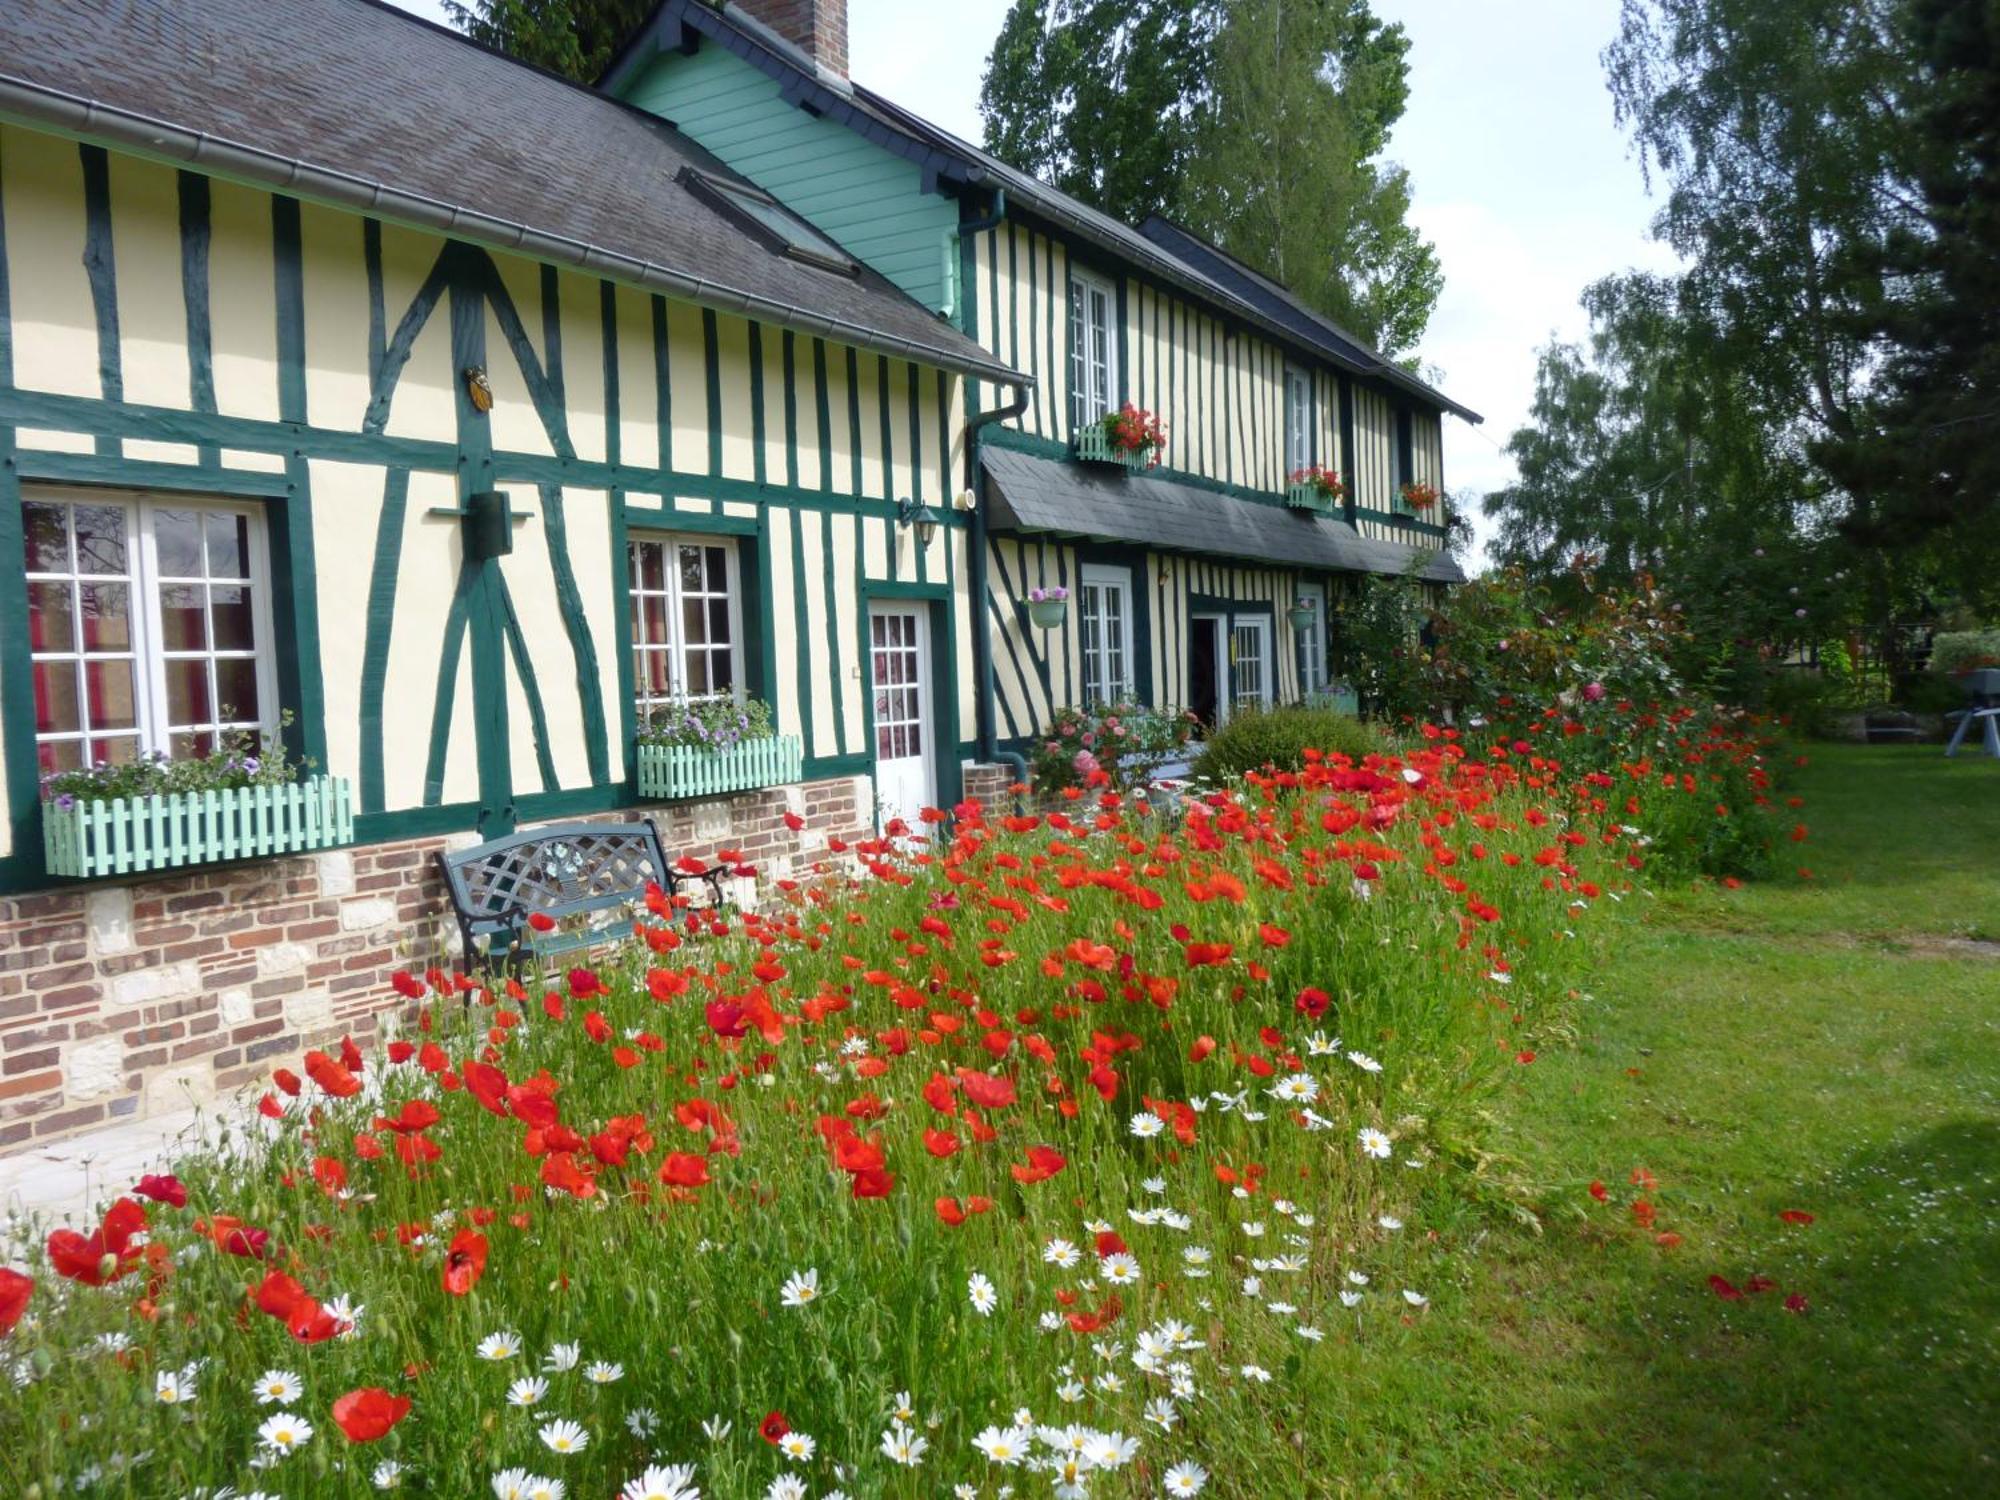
(987, 785)
(123, 1000)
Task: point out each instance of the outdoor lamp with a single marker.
(919, 516)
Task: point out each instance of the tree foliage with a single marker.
(577, 38)
(1259, 124)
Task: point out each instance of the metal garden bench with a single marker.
(574, 869)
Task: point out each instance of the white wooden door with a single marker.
(900, 679)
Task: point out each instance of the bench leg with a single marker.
(1958, 734)
(1993, 733)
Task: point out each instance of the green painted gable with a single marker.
(871, 201)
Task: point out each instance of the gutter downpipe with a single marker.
(982, 619)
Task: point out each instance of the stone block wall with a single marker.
(124, 1000)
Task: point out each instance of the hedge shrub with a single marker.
(1279, 738)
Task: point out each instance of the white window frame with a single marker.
(1108, 671)
(675, 646)
(1312, 642)
(154, 732)
(1298, 420)
(1260, 625)
(1087, 404)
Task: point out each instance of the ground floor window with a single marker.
(1104, 623)
(148, 625)
(1311, 638)
(687, 628)
(1249, 662)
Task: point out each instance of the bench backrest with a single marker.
(563, 871)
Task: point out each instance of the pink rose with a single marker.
(1593, 692)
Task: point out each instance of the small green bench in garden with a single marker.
(564, 871)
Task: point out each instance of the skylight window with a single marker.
(780, 228)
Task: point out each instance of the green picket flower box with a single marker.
(1312, 498)
(1094, 446)
(696, 771)
(134, 835)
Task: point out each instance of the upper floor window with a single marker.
(1406, 450)
(1093, 349)
(1298, 420)
(1104, 622)
(148, 625)
(687, 627)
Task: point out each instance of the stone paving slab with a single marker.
(71, 1179)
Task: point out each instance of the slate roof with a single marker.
(938, 152)
(359, 104)
(1030, 493)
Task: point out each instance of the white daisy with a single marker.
(173, 1387)
(786, 1487)
(1364, 1062)
(527, 1391)
(498, 1346)
(797, 1446)
(984, 1298)
(1296, 1088)
(1257, 1373)
(278, 1388)
(1415, 1299)
(1373, 1143)
(1119, 1269)
(1185, 1478)
(662, 1482)
(283, 1433)
(388, 1475)
(902, 1446)
(1390, 1222)
(1146, 1126)
(563, 1436)
(1006, 1446)
(800, 1288)
(603, 1372)
(1350, 1299)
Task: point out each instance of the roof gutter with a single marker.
(54, 109)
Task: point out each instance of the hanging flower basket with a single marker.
(1301, 615)
(88, 839)
(1048, 608)
(1420, 497)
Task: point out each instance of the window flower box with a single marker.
(1318, 490)
(1129, 437)
(667, 771)
(87, 839)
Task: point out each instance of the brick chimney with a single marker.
(816, 27)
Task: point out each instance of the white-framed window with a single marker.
(1104, 625)
(1298, 419)
(687, 622)
(149, 624)
(1093, 349)
(1249, 662)
(1312, 641)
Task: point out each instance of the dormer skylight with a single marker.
(770, 221)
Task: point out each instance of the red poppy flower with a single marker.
(541, 921)
(335, 1077)
(369, 1413)
(407, 985)
(985, 1090)
(940, 1143)
(162, 1189)
(949, 1211)
(1796, 1303)
(464, 1262)
(1724, 1289)
(684, 1169)
(773, 1427)
(488, 1085)
(873, 1183)
(15, 1290)
(1795, 1216)
(309, 1323)
(416, 1115)
(106, 1253)
(1043, 1162)
(278, 1293)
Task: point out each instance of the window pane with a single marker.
(177, 538)
(722, 671)
(652, 565)
(187, 692)
(697, 670)
(45, 530)
(118, 750)
(182, 623)
(51, 618)
(690, 565)
(653, 672)
(55, 698)
(185, 746)
(100, 538)
(229, 609)
(236, 689)
(718, 620)
(107, 616)
(694, 623)
(718, 569)
(107, 687)
(228, 544)
(59, 755)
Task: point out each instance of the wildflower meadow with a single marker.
(1046, 1154)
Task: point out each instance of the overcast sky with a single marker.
(1521, 179)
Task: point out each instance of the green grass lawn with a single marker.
(1829, 1045)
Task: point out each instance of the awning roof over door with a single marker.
(1030, 493)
